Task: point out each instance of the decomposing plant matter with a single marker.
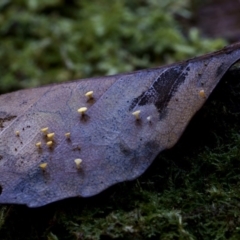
(115, 147)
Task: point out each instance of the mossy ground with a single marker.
(58, 40)
(191, 191)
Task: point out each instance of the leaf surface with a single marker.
(111, 143)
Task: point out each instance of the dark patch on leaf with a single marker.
(6, 119)
(77, 148)
(162, 89)
(125, 149)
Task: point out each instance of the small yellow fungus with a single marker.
(49, 143)
(38, 144)
(17, 133)
(43, 166)
(137, 114)
(78, 162)
(82, 110)
(202, 93)
(89, 94)
(50, 136)
(44, 130)
(149, 119)
(67, 135)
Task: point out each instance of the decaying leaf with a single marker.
(78, 138)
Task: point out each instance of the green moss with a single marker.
(54, 41)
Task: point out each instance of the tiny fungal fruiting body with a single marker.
(38, 144)
(67, 135)
(137, 114)
(43, 166)
(202, 93)
(89, 94)
(44, 130)
(149, 119)
(49, 144)
(17, 133)
(78, 162)
(50, 136)
(82, 110)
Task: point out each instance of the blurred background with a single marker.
(46, 41)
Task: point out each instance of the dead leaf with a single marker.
(103, 144)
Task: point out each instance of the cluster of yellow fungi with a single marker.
(50, 136)
(82, 111)
(50, 143)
